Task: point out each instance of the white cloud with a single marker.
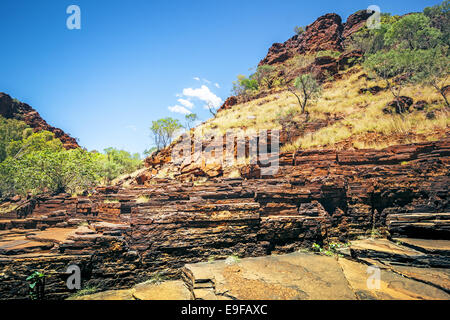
(197, 78)
(206, 81)
(186, 103)
(204, 94)
(179, 109)
(217, 85)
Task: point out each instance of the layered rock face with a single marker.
(326, 33)
(10, 108)
(316, 197)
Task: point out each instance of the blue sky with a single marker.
(132, 60)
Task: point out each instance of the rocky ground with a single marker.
(306, 276)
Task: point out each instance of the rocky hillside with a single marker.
(11, 108)
(355, 111)
(326, 33)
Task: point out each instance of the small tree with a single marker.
(265, 75)
(305, 88)
(433, 69)
(164, 130)
(190, 120)
(299, 30)
(368, 40)
(244, 86)
(395, 68)
(211, 108)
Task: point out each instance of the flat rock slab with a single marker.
(19, 244)
(382, 247)
(168, 290)
(390, 285)
(296, 276)
(56, 235)
(303, 276)
(428, 246)
(437, 277)
(428, 254)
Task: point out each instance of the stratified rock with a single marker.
(423, 225)
(326, 33)
(355, 22)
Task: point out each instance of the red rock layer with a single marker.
(326, 33)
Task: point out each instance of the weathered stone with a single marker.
(167, 290)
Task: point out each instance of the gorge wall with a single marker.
(122, 236)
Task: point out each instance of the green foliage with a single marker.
(38, 163)
(440, 19)
(156, 278)
(413, 31)
(299, 30)
(49, 171)
(432, 68)
(36, 285)
(396, 67)
(392, 63)
(40, 141)
(190, 120)
(372, 40)
(232, 259)
(245, 86)
(164, 130)
(331, 251)
(85, 291)
(305, 89)
(10, 130)
(316, 247)
(265, 75)
(118, 162)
